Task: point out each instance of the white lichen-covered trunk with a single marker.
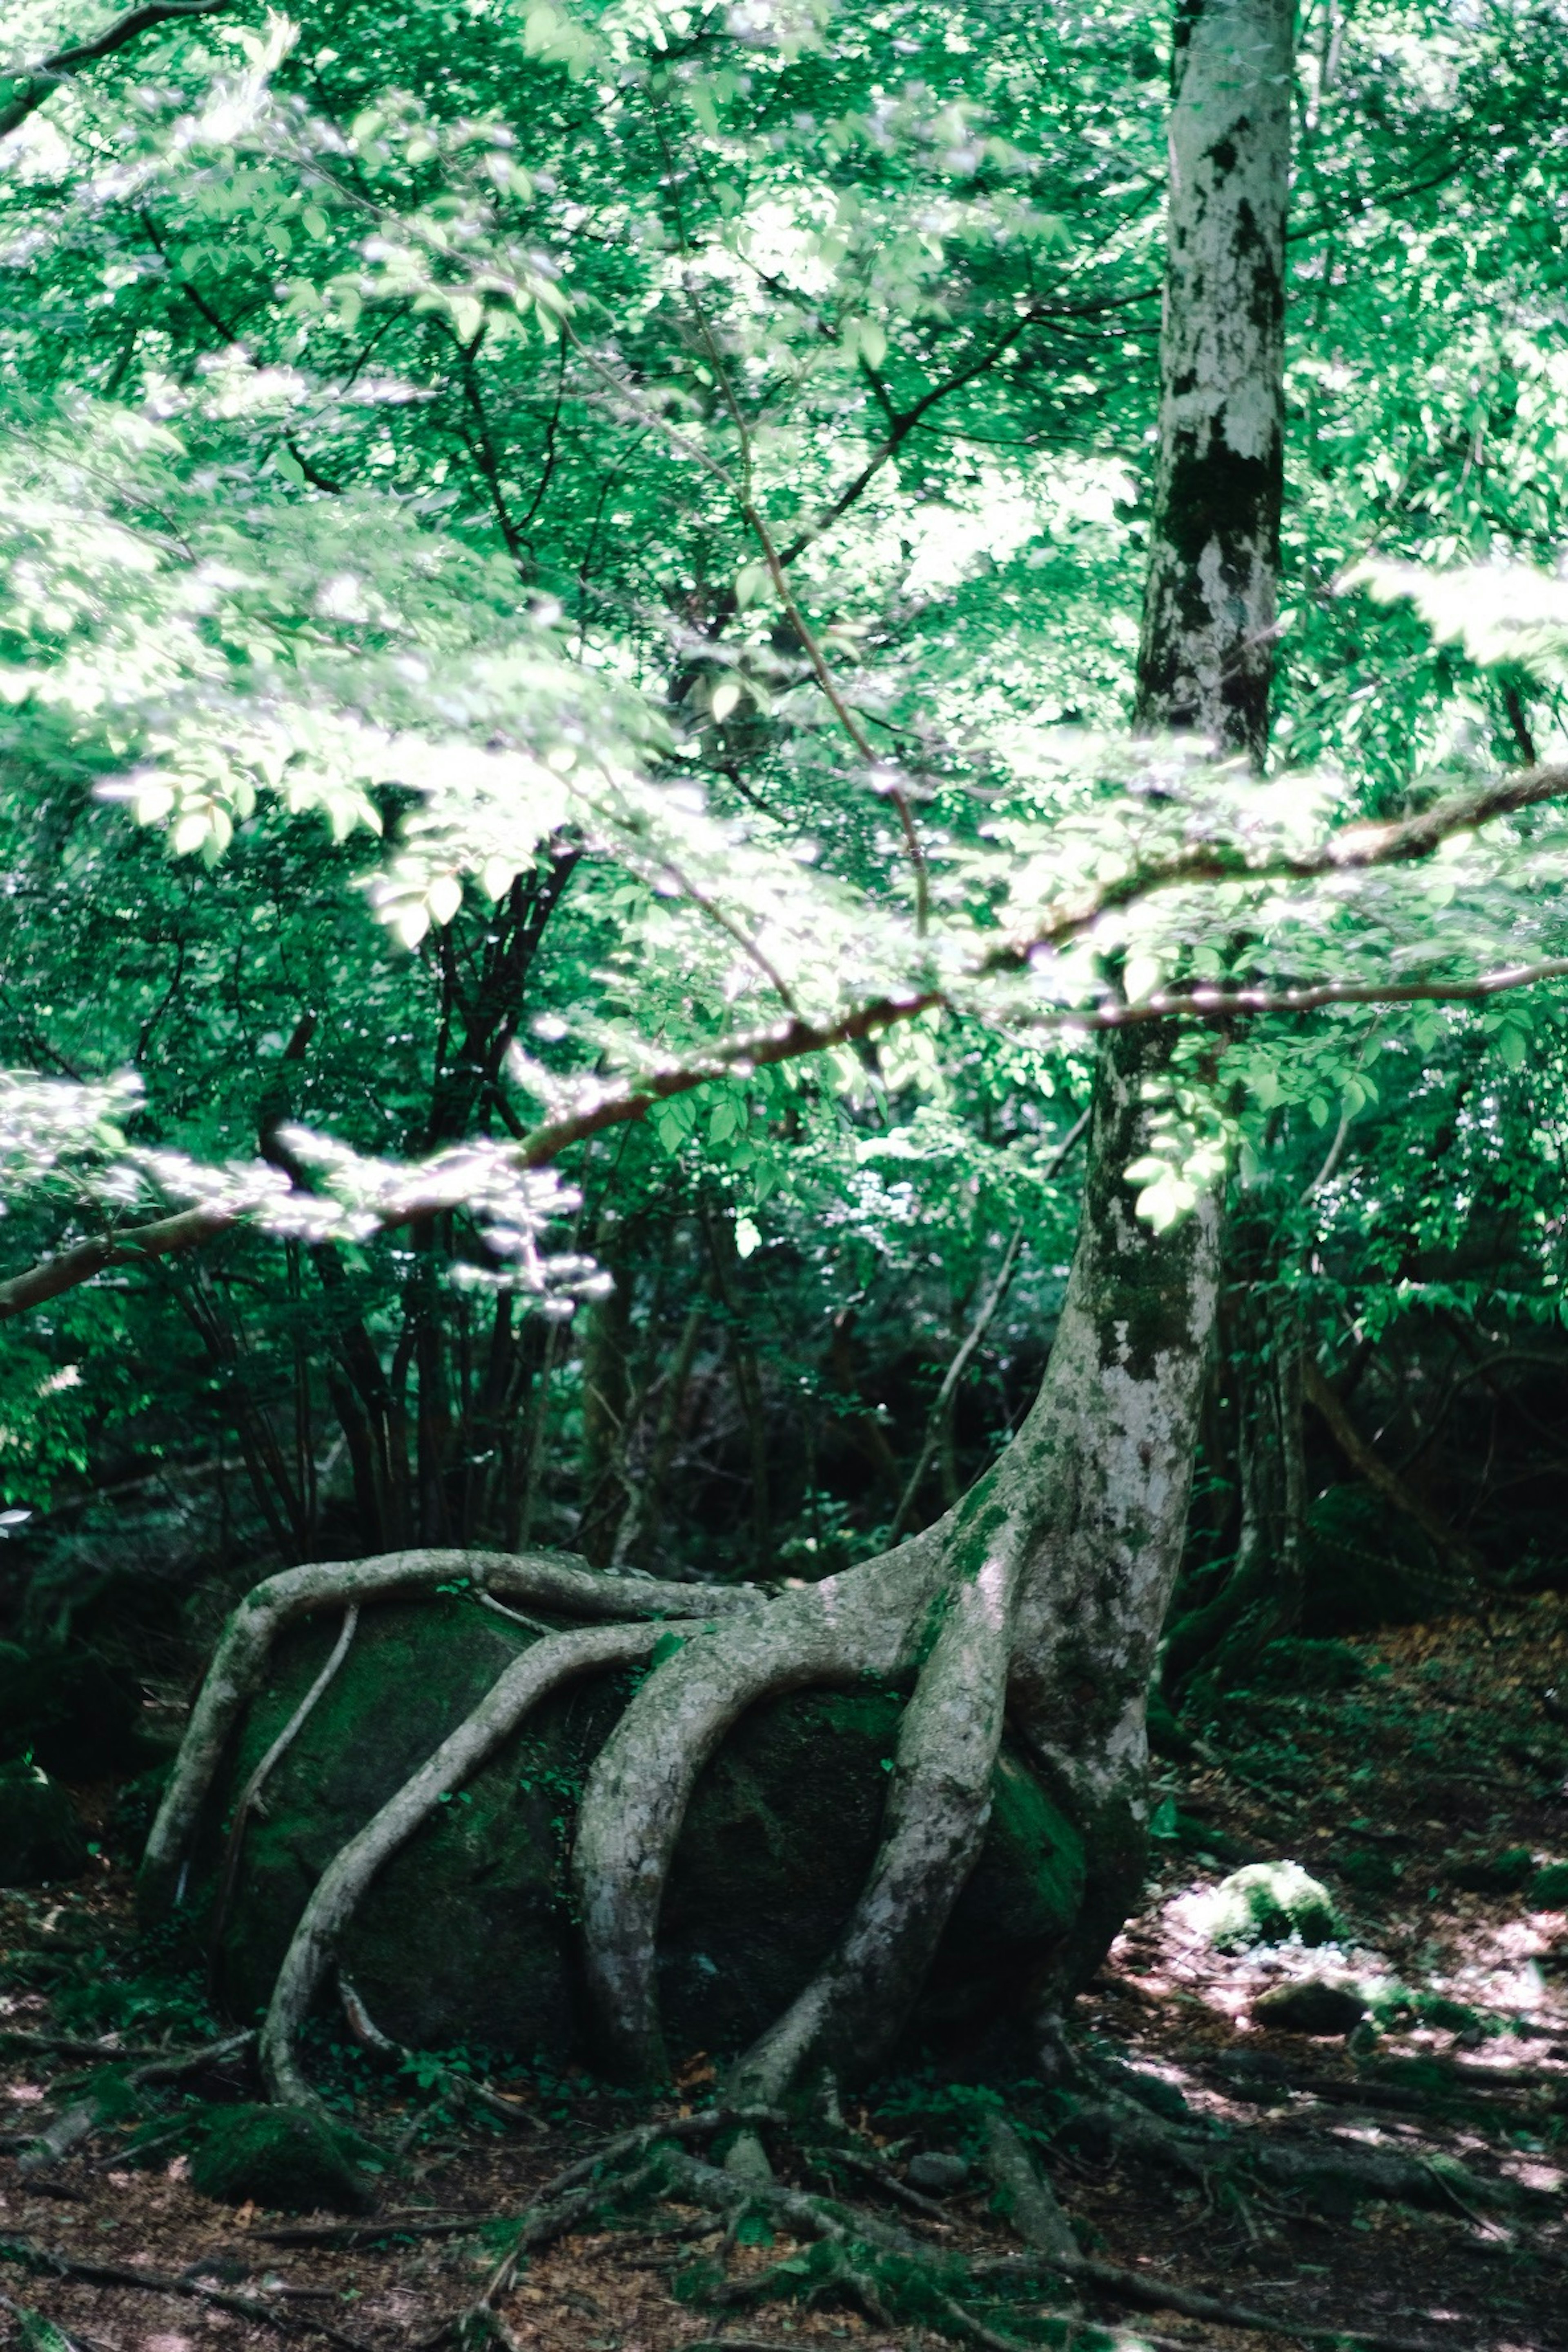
(1210, 605)
(1115, 1426)
(1109, 1443)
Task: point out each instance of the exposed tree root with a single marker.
(78, 2124)
(562, 1586)
(250, 1794)
(1027, 2200)
(634, 1800)
(529, 1678)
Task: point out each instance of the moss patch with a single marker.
(290, 2162)
(1269, 1903)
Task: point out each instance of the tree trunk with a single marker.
(1210, 603)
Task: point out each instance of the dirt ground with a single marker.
(1441, 1762)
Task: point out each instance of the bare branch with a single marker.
(40, 81)
(134, 1246)
(1223, 1003)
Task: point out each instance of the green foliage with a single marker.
(403, 741)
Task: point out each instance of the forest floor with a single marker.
(1419, 1793)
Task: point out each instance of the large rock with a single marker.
(41, 1837)
(468, 1934)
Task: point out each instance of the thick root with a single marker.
(526, 1681)
(634, 1801)
(562, 1586)
(939, 1803)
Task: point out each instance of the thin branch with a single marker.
(46, 2263)
(42, 81)
(740, 491)
(136, 1245)
(1222, 1004)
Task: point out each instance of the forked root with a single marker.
(530, 1678)
(633, 1803)
(939, 1803)
(564, 1587)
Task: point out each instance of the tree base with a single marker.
(468, 1934)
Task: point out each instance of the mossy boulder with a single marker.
(1269, 1903)
(468, 1934)
(288, 2161)
(1549, 1888)
(41, 1837)
(1313, 2005)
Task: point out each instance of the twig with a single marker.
(364, 2233)
(460, 2088)
(899, 2190)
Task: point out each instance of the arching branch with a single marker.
(40, 81)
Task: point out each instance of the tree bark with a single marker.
(1119, 1409)
(1210, 603)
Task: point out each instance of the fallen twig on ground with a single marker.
(47, 2262)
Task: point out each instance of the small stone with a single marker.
(936, 2172)
(1269, 1903)
(1311, 2005)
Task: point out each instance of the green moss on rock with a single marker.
(468, 1934)
(1549, 1888)
(1269, 1903)
(41, 1838)
(290, 2162)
